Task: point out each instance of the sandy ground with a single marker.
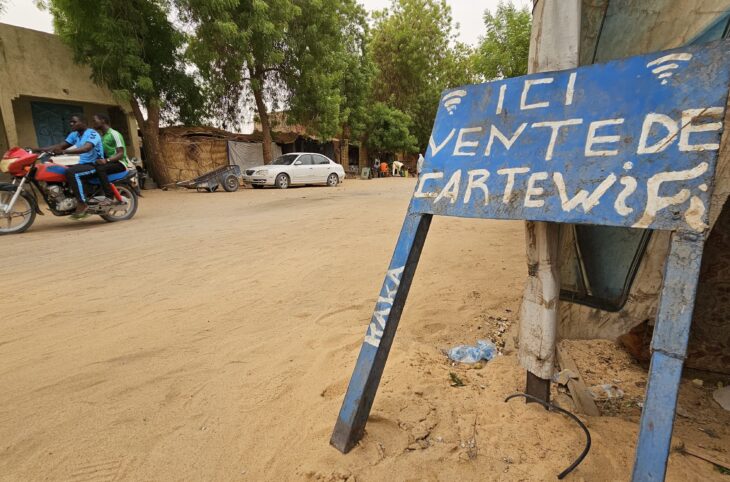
(213, 336)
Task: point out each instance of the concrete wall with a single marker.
(3, 137)
(38, 65)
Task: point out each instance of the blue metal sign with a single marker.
(627, 143)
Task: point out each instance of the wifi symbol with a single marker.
(452, 99)
(664, 70)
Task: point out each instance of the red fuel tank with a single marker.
(50, 172)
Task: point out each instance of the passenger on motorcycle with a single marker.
(86, 143)
(115, 154)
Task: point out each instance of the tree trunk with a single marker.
(362, 158)
(258, 95)
(336, 148)
(345, 148)
(158, 170)
(151, 140)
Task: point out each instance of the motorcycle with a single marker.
(40, 173)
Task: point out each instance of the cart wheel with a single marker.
(213, 188)
(230, 183)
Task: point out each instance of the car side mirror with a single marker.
(297, 163)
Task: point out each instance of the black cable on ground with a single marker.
(554, 408)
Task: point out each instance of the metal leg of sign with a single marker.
(380, 333)
(669, 347)
(537, 387)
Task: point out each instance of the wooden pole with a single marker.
(554, 45)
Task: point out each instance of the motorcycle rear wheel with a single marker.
(125, 212)
(23, 210)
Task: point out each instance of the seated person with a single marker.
(86, 143)
(115, 154)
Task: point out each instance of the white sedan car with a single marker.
(296, 168)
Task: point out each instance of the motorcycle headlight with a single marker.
(262, 172)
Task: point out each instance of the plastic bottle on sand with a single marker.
(484, 350)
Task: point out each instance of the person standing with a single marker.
(419, 164)
(115, 154)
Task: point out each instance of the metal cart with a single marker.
(226, 176)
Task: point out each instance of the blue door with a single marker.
(50, 121)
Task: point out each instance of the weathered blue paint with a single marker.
(669, 346)
(625, 94)
(657, 418)
(459, 178)
(677, 299)
(380, 333)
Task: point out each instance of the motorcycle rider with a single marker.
(115, 154)
(86, 143)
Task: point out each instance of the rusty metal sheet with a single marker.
(628, 143)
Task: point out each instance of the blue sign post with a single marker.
(630, 143)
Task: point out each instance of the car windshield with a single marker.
(284, 160)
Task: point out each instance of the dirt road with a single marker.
(212, 338)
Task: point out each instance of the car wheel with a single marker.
(333, 180)
(282, 181)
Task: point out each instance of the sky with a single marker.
(467, 13)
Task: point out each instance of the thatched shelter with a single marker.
(188, 152)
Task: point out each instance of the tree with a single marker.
(283, 52)
(503, 52)
(135, 51)
(458, 66)
(415, 53)
(389, 130)
(356, 83)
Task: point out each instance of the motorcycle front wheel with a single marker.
(126, 211)
(20, 217)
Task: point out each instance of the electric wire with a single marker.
(555, 408)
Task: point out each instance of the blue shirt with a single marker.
(92, 137)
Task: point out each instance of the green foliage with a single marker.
(503, 52)
(133, 49)
(389, 130)
(316, 42)
(416, 58)
(238, 45)
(458, 66)
(356, 81)
(290, 53)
